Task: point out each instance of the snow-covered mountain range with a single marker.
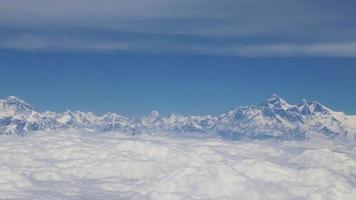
(274, 118)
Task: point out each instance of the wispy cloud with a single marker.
(29, 42)
(319, 49)
(234, 27)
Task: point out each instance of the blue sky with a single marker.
(136, 84)
(190, 57)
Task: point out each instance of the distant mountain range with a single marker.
(274, 118)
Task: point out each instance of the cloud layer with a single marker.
(68, 165)
(242, 28)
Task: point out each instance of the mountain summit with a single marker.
(276, 102)
(274, 118)
(14, 104)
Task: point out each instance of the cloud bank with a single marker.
(68, 165)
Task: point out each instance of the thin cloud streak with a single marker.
(28, 42)
(326, 49)
(230, 27)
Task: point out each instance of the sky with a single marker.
(189, 57)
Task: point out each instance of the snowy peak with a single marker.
(14, 100)
(311, 107)
(115, 122)
(86, 119)
(274, 98)
(276, 102)
(274, 118)
(15, 105)
(278, 119)
(154, 114)
(68, 119)
(111, 117)
(153, 117)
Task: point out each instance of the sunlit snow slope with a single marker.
(72, 165)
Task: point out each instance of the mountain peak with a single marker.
(154, 113)
(312, 106)
(274, 95)
(13, 99)
(110, 115)
(274, 98)
(153, 118)
(16, 103)
(273, 118)
(276, 101)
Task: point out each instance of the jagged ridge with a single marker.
(274, 118)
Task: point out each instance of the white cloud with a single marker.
(67, 165)
(29, 42)
(320, 49)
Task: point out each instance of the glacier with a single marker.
(75, 165)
